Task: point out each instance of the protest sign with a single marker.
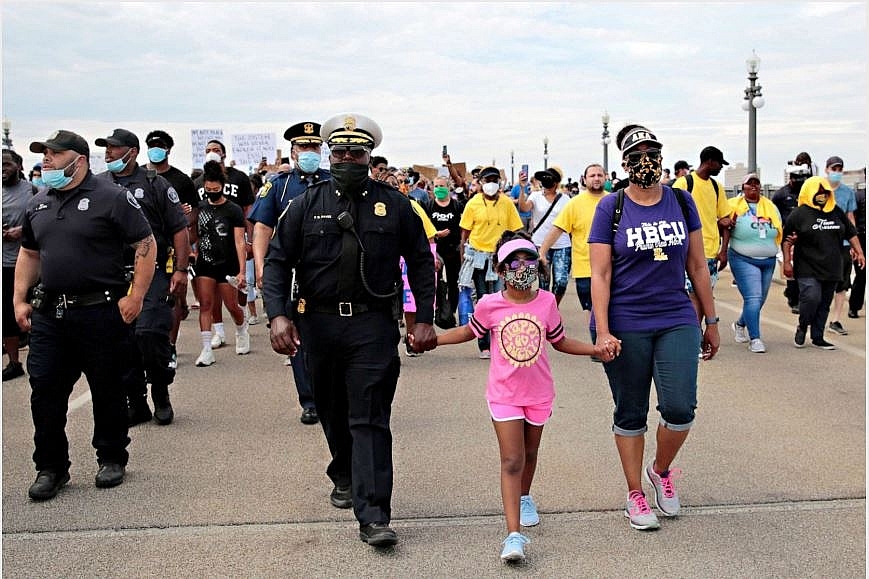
(250, 148)
(198, 139)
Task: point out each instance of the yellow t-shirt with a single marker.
(488, 220)
(710, 210)
(575, 219)
(427, 225)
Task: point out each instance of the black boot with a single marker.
(163, 413)
(137, 410)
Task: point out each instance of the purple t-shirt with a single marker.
(647, 291)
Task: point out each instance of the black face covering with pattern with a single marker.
(645, 172)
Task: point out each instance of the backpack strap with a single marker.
(617, 212)
(689, 184)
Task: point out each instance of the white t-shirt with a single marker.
(541, 206)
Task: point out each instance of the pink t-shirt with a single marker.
(519, 373)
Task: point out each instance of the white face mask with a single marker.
(490, 189)
(212, 156)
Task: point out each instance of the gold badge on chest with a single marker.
(380, 209)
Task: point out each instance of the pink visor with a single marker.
(515, 245)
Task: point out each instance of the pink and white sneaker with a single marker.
(666, 498)
(639, 514)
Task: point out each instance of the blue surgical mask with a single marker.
(38, 182)
(157, 154)
(835, 176)
(309, 162)
(57, 178)
(117, 165)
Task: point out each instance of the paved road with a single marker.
(774, 474)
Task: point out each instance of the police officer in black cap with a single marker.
(344, 238)
(161, 206)
(271, 202)
(75, 235)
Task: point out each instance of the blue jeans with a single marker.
(753, 277)
(483, 287)
(670, 358)
(559, 271)
(583, 292)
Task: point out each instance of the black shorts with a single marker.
(10, 326)
(217, 272)
(845, 284)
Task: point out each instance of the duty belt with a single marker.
(343, 309)
(68, 301)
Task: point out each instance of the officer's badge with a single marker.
(309, 128)
(130, 199)
(264, 191)
(349, 123)
(139, 193)
(301, 307)
(380, 209)
(173, 195)
(84, 204)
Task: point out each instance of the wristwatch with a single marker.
(711, 321)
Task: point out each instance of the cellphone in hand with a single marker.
(444, 154)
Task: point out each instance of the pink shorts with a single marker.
(536, 414)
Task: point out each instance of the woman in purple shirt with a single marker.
(642, 242)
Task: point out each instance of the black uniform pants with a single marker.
(90, 340)
(149, 360)
(354, 366)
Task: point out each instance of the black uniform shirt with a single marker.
(309, 238)
(160, 204)
(183, 185)
(81, 234)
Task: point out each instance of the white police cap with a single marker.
(351, 129)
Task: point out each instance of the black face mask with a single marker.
(547, 181)
(214, 196)
(350, 178)
(796, 185)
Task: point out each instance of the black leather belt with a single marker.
(67, 301)
(343, 309)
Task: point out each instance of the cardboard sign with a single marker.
(250, 148)
(198, 139)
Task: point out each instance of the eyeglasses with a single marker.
(517, 263)
(354, 152)
(637, 156)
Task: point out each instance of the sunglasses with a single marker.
(517, 263)
(355, 151)
(637, 156)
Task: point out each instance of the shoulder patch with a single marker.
(132, 200)
(264, 190)
(173, 195)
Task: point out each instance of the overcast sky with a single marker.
(482, 78)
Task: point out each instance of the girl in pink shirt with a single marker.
(520, 389)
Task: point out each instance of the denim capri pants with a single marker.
(669, 357)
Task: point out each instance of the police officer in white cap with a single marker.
(349, 283)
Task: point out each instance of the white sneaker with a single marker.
(252, 321)
(242, 342)
(739, 333)
(206, 358)
(217, 341)
(757, 346)
(639, 513)
(665, 496)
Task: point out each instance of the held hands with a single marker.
(284, 336)
(607, 347)
(422, 338)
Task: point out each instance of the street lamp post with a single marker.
(7, 128)
(605, 140)
(512, 174)
(752, 101)
(545, 153)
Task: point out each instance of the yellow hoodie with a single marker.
(810, 189)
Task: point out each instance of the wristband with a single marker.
(712, 321)
(183, 270)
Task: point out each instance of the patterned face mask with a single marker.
(644, 168)
(523, 278)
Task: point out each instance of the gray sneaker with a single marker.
(757, 346)
(666, 498)
(838, 328)
(638, 512)
(739, 333)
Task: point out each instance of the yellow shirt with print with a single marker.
(427, 225)
(488, 220)
(575, 219)
(709, 208)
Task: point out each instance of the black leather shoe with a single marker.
(14, 370)
(341, 497)
(378, 535)
(163, 415)
(138, 411)
(853, 314)
(111, 474)
(309, 416)
(46, 485)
